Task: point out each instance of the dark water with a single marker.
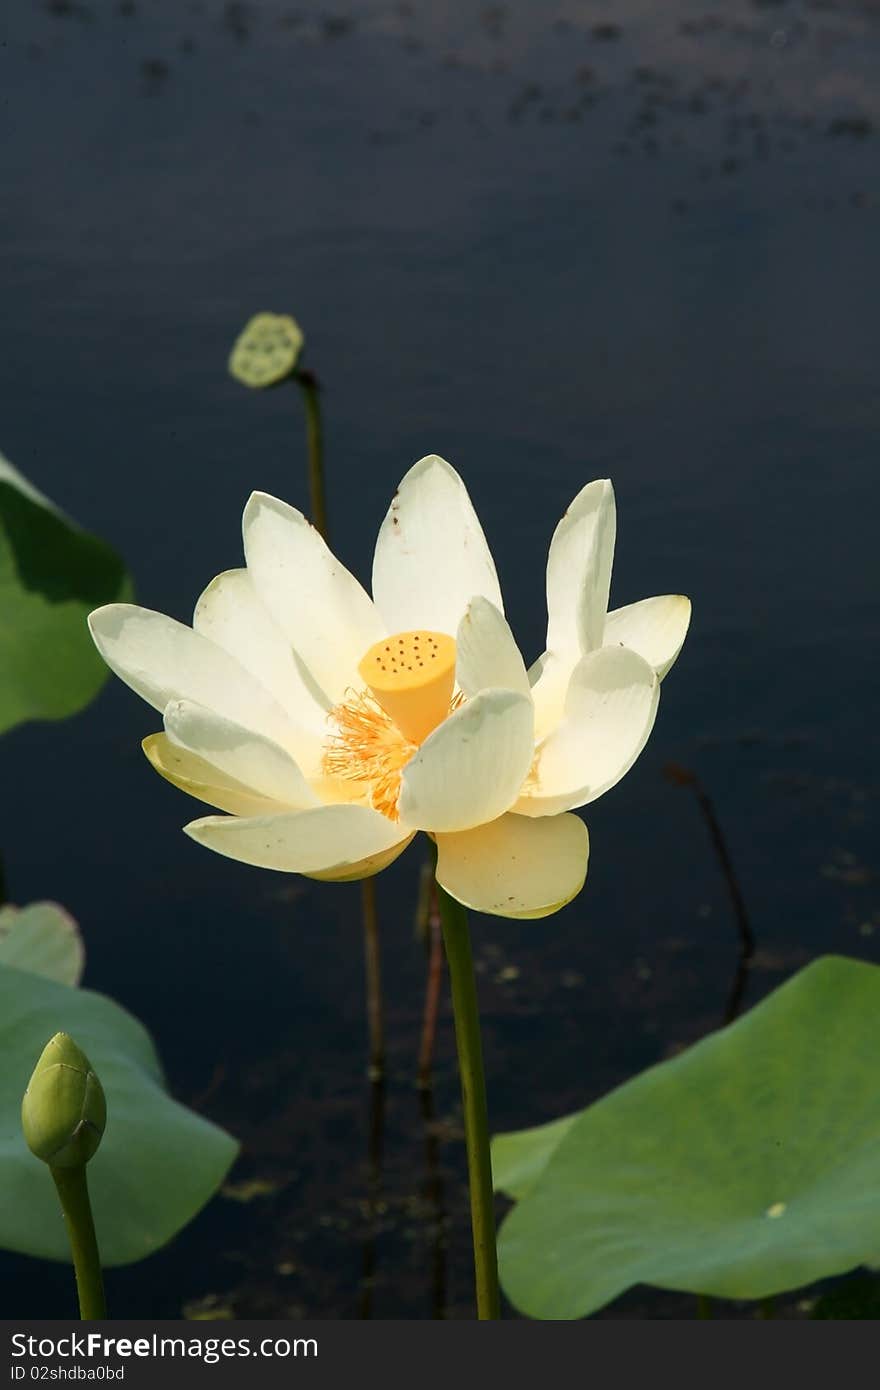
(551, 242)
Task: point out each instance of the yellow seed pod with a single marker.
(412, 676)
(64, 1112)
(266, 350)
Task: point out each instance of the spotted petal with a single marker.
(431, 554)
(331, 842)
(515, 867)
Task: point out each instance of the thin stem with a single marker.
(73, 1190)
(310, 387)
(683, 777)
(432, 992)
(373, 980)
(465, 1007)
(311, 393)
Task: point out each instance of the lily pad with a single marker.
(158, 1163)
(43, 939)
(267, 350)
(52, 574)
(746, 1167)
(519, 1159)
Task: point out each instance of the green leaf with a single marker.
(52, 574)
(158, 1163)
(267, 350)
(43, 939)
(519, 1159)
(746, 1167)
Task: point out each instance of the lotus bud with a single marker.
(64, 1112)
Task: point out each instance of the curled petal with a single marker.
(487, 654)
(472, 767)
(654, 627)
(579, 572)
(191, 774)
(248, 758)
(609, 712)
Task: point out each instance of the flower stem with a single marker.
(465, 1007)
(373, 974)
(73, 1190)
(310, 388)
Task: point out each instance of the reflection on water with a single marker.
(551, 242)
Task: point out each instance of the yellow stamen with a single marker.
(412, 675)
(365, 748)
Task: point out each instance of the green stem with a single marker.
(73, 1191)
(310, 388)
(465, 1007)
(704, 1306)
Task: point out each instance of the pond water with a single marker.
(550, 241)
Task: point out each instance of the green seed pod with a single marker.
(267, 349)
(64, 1112)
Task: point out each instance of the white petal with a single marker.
(486, 653)
(549, 679)
(322, 610)
(579, 572)
(231, 613)
(248, 758)
(197, 778)
(431, 555)
(472, 767)
(655, 628)
(515, 867)
(609, 713)
(328, 842)
(162, 660)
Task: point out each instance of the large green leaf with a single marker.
(746, 1167)
(52, 575)
(43, 939)
(158, 1163)
(519, 1159)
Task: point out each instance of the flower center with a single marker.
(410, 679)
(411, 676)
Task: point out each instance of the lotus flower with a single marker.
(332, 727)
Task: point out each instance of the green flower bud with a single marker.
(64, 1112)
